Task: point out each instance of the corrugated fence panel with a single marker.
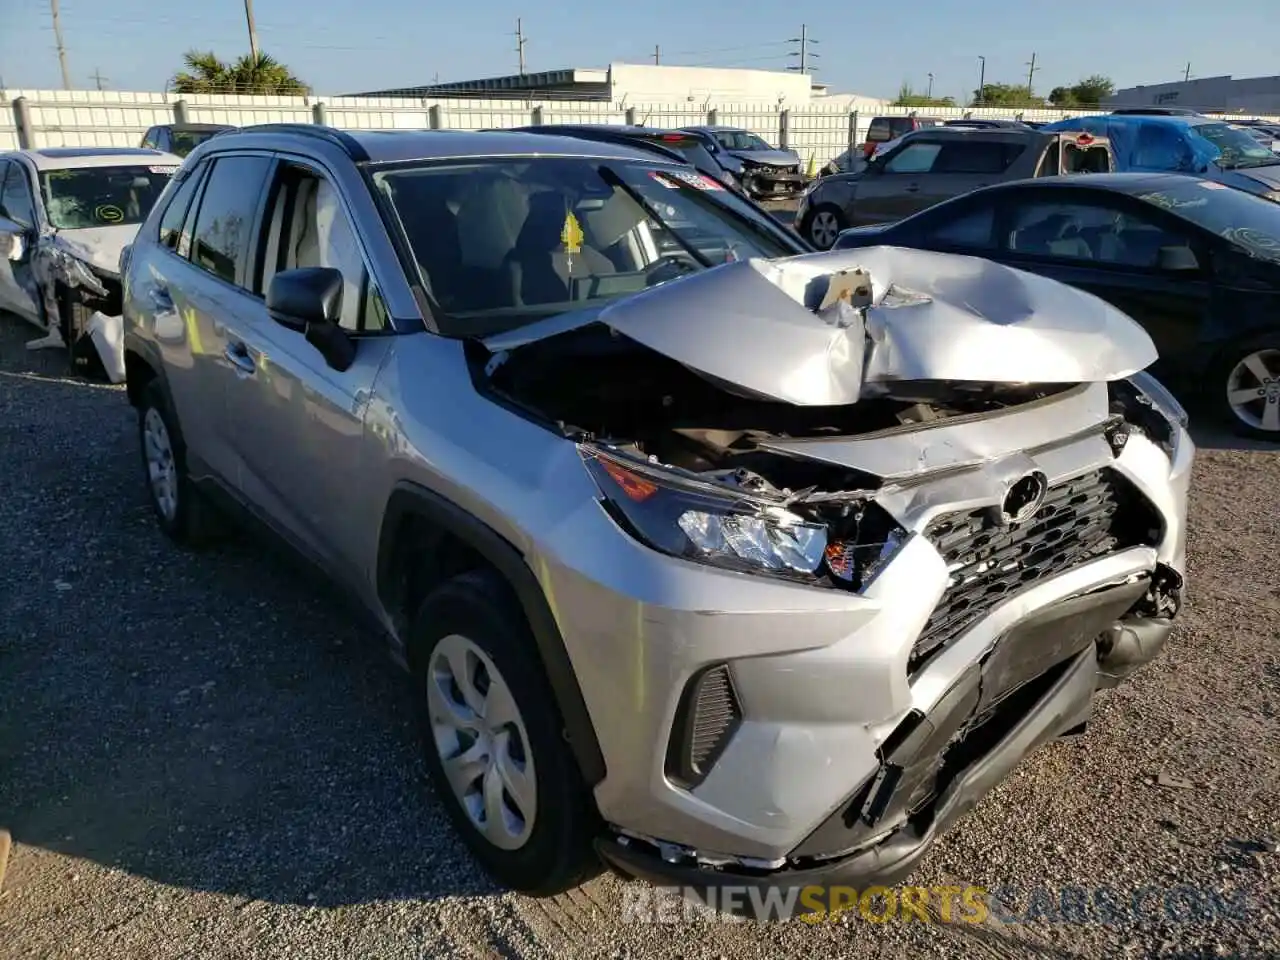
(669, 114)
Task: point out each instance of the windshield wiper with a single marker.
(610, 177)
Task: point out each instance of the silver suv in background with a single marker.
(721, 564)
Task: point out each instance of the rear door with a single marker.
(194, 286)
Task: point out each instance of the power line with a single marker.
(803, 53)
(97, 78)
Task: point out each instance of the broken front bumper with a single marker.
(767, 184)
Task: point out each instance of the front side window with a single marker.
(741, 140)
(86, 197)
(16, 202)
(225, 221)
(972, 230)
(172, 235)
(1236, 149)
(500, 243)
(918, 157)
(1086, 231)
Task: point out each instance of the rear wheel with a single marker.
(494, 741)
(1248, 382)
(822, 225)
(182, 512)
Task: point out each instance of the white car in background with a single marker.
(66, 215)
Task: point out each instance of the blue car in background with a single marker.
(1184, 144)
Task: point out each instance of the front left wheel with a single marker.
(182, 512)
(822, 225)
(494, 741)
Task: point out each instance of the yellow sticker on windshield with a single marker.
(571, 234)
(108, 213)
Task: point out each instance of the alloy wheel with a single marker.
(162, 471)
(480, 736)
(823, 229)
(1253, 390)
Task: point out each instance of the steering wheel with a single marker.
(675, 263)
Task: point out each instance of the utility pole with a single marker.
(1031, 74)
(1187, 74)
(982, 79)
(521, 39)
(929, 95)
(253, 30)
(97, 77)
(657, 55)
(804, 53)
(62, 48)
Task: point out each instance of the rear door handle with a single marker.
(912, 188)
(239, 356)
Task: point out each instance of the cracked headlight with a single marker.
(701, 521)
(1147, 405)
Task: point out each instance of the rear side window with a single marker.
(172, 236)
(225, 221)
(977, 156)
(900, 125)
(972, 230)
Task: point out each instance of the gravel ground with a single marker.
(200, 755)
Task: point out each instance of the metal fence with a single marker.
(817, 131)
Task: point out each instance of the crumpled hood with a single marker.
(100, 247)
(773, 158)
(752, 325)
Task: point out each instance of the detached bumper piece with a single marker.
(1037, 684)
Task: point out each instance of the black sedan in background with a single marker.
(1197, 263)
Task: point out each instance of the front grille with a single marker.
(1080, 520)
(708, 715)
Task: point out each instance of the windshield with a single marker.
(184, 141)
(86, 197)
(740, 140)
(500, 243)
(1238, 150)
(1247, 220)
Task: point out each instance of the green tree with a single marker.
(1062, 97)
(205, 73)
(1091, 91)
(1005, 95)
(909, 98)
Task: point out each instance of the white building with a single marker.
(645, 83)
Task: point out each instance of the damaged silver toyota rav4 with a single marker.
(718, 563)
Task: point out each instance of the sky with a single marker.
(871, 48)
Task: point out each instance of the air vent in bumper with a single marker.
(1080, 520)
(709, 713)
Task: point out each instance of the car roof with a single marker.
(717, 128)
(71, 158)
(619, 129)
(1126, 183)
(393, 146)
(197, 127)
(979, 133)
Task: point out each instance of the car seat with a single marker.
(1056, 235)
(540, 269)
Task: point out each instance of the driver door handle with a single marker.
(239, 356)
(912, 188)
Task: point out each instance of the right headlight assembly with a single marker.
(1145, 403)
(747, 530)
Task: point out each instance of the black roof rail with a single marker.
(338, 138)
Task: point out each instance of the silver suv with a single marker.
(717, 563)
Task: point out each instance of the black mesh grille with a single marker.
(709, 714)
(1081, 520)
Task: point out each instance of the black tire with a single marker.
(1224, 378)
(812, 216)
(558, 853)
(194, 522)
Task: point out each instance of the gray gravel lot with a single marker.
(202, 756)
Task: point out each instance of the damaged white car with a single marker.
(66, 215)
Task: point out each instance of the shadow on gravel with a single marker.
(208, 721)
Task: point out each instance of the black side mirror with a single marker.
(309, 300)
(1178, 259)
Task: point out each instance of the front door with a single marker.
(297, 423)
(1112, 249)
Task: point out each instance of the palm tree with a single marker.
(205, 73)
